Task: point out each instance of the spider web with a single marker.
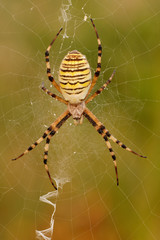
(88, 204)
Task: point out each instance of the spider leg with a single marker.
(97, 124)
(50, 77)
(121, 144)
(53, 95)
(100, 89)
(102, 129)
(113, 157)
(106, 134)
(56, 124)
(54, 130)
(98, 69)
(46, 156)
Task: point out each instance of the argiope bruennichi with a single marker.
(75, 84)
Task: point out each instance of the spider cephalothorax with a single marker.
(75, 86)
(76, 111)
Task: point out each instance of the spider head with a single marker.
(77, 112)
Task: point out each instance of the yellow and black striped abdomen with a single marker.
(74, 77)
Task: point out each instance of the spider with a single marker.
(75, 84)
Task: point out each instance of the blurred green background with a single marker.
(90, 205)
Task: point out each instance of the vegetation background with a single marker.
(90, 205)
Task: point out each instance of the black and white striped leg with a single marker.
(53, 95)
(63, 117)
(122, 145)
(46, 149)
(50, 77)
(100, 89)
(98, 69)
(96, 123)
(112, 155)
(106, 134)
(109, 135)
(36, 143)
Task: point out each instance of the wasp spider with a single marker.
(75, 84)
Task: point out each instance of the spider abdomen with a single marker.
(74, 77)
